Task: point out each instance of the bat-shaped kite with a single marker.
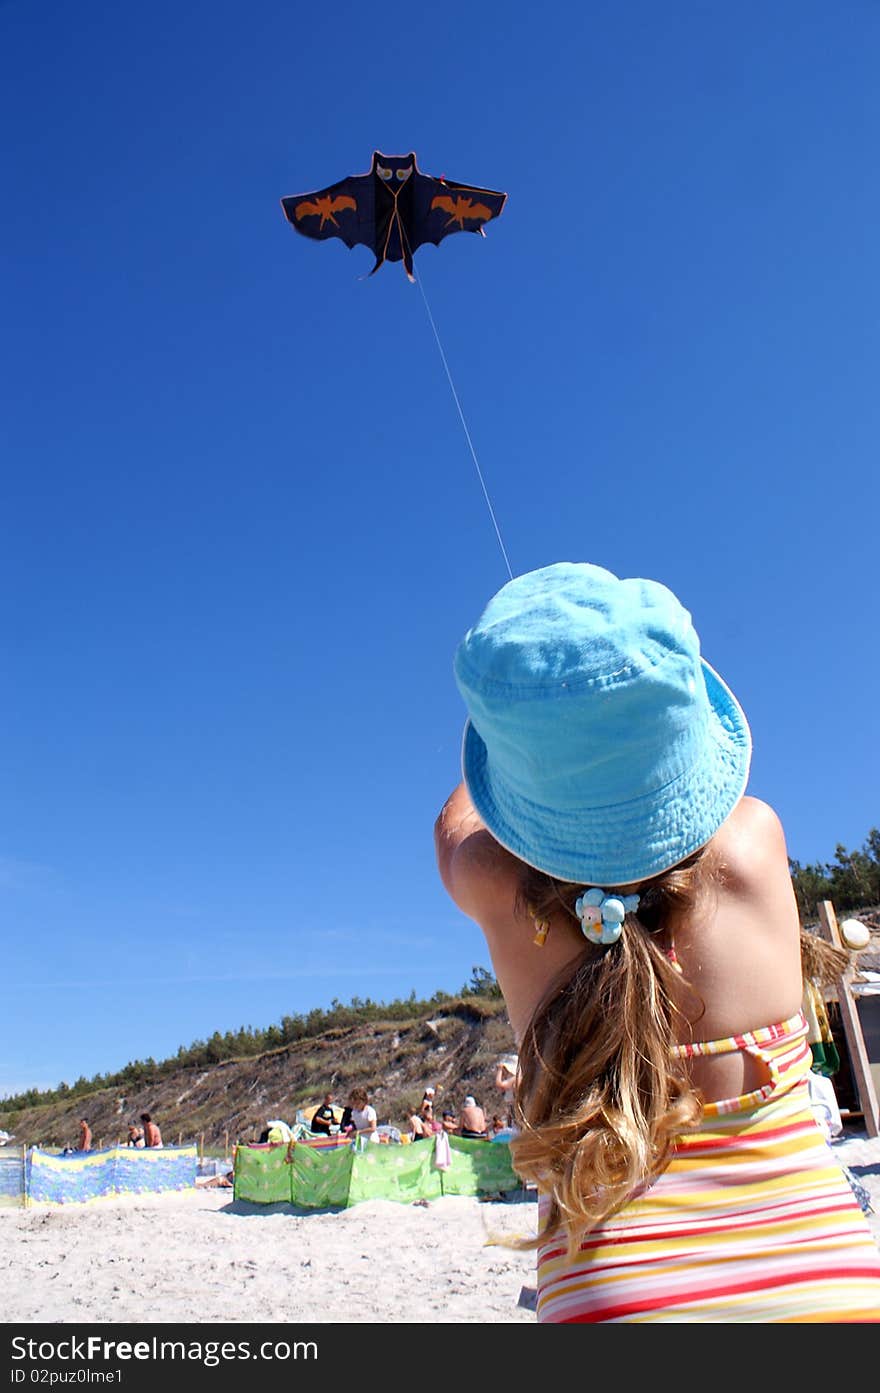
(393, 209)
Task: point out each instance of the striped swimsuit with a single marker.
(752, 1219)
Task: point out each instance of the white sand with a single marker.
(201, 1258)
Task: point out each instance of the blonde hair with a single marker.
(601, 1098)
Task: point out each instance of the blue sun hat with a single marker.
(600, 747)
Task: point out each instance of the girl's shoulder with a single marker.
(750, 845)
(740, 943)
(751, 815)
(477, 871)
(750, 894)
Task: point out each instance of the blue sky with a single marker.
(241, 532)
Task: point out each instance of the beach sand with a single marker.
(200, 1257)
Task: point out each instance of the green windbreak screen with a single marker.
(322, 1178)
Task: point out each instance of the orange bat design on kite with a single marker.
(324, 208)
(461, 208)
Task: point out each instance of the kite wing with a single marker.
(393, 209)
(442, 206)
(344, 210)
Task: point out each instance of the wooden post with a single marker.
(25, 1197)
(179, 1138)
(852, 1026)
(225, 1144)
(201, 1146)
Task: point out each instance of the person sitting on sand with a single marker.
(363, 1116)
(324, 1117)
(472, 1120)
(135, 1135)
(416, 1127)
(430, 1125)
(449, 1122)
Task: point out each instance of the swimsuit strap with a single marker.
(752, 1041)
(776, 1046)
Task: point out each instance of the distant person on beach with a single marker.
(363, 1116)
(416, 1126)
(426, 1112)
(152, 1135)
(218, 1182)
(505, 1081)
(640, 916)
(472, 1120)
(85, 1136)
(324, 1117)
(449, 1122)
(135, 1135)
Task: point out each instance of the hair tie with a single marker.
(602, 915)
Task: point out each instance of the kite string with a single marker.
(467, 434)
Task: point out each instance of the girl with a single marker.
(640, 915)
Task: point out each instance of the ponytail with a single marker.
(601, 1097)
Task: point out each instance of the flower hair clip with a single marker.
(602, 915)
